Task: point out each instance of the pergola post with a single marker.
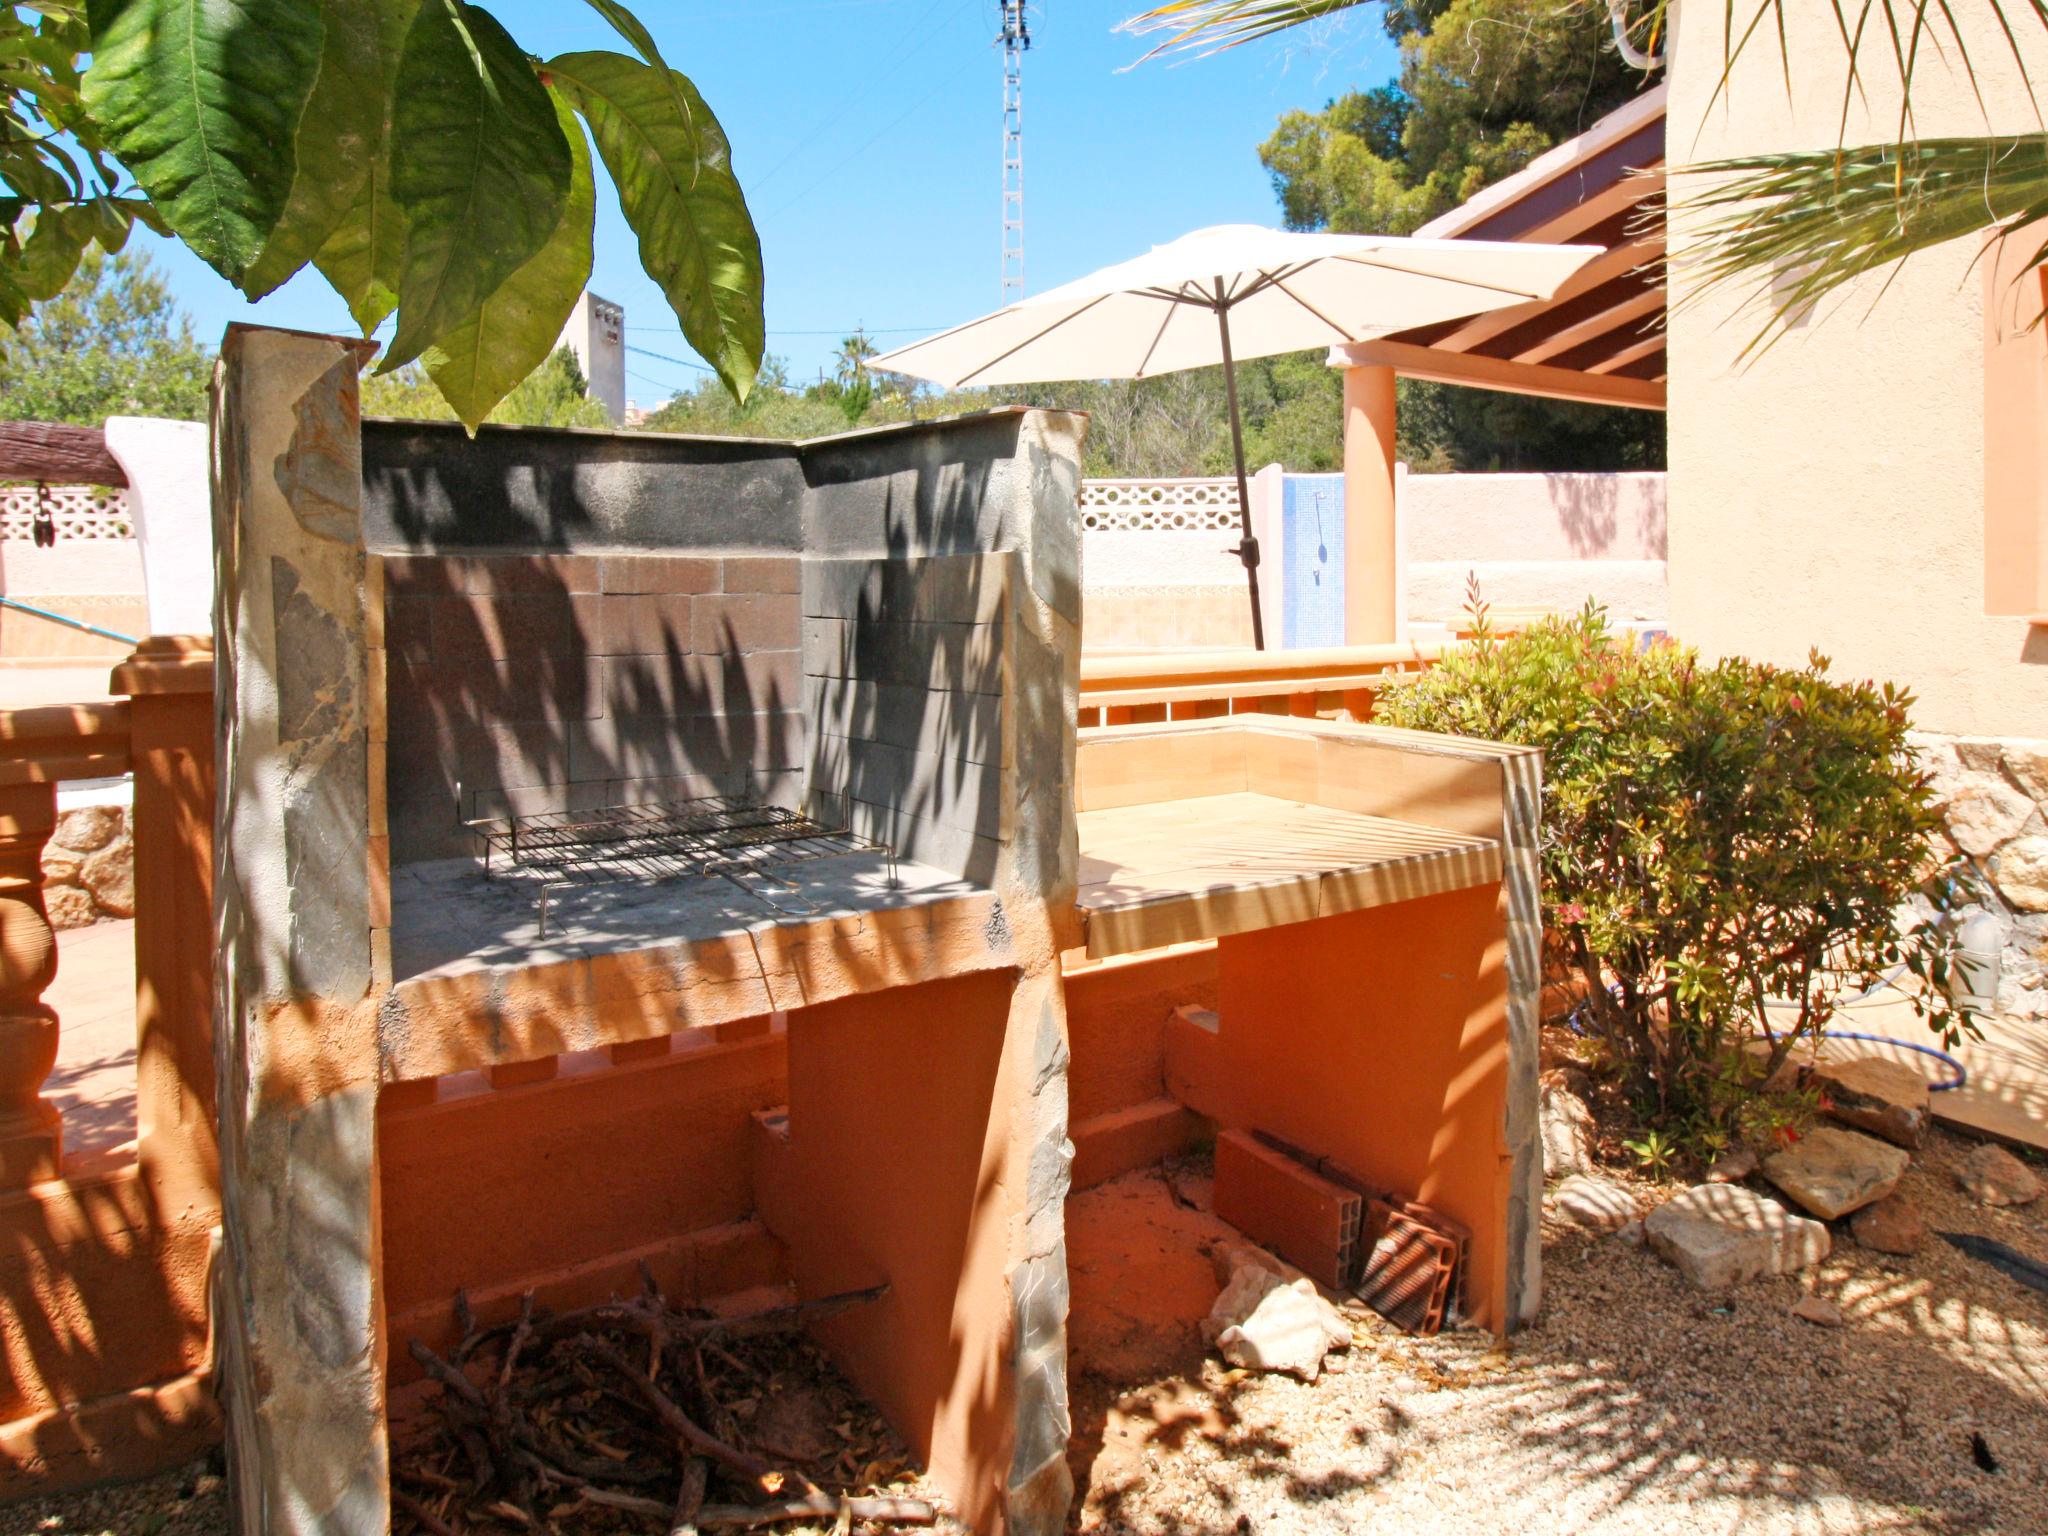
(1371, 567)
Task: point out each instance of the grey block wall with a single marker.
(568, 682)
(903, 683)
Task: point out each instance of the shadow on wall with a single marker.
(1590, 509)
(576, 620)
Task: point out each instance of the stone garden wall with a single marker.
(1994, 800)
(89, 867)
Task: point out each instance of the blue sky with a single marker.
(867, 136)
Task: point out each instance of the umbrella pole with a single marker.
(1247, 545)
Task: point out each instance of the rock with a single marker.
(59, 868)
(1983, 814)
(1882, 1097)
(2027, 762)
(1832, 1172)
(1567, 1131)
(1890, 1225)
(1732, 1166)
(1264, 1323)
(2023, 874)
(1632, 1234)
(110, 876)
(1718, 1235)
(1597, 1204)
(1993, 1176)
(69, 906)
(1818, 1310)
(88, 827)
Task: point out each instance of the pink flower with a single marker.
(1571, 912)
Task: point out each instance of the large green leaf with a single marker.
(477, 364)
(673, 167)
(478, 164)
(339, 139)
(364, 255)
(201, 99)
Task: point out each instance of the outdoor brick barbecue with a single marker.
(674, 856)
(667, 669)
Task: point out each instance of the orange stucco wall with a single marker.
(900, 1170)
(1378, 1039)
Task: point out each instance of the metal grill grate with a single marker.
(738, 840)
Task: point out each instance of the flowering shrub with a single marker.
(1726, 848)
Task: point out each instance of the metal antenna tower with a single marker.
(1015, 38)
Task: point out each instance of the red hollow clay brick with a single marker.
(1293, 1210)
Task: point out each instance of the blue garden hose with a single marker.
(1961, 1073)
(67, 620)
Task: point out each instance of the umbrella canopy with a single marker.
(1285, 292)
(1236, 290)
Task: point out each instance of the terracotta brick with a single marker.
(409, 626)
(763, 573)
(424, 575)
(532, 573)
(626, 1052)
(647, 624)
(517, 1074)
(659, 574)
(501, 628)
(1291, 1209)
(759, 623)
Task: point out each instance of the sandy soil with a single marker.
(1636, 1404)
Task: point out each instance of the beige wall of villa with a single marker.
(1832, 491)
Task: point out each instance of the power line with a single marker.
(868, 143)
(836, 330)
(855, 98)
(680, 362)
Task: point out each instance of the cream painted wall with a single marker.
(1830, 492)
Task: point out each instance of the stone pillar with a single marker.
(300, 1319)
(31, 1136)
(1371, 556)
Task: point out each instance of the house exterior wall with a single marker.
(1830, 492)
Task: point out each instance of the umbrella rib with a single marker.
(1438, 277)
(1157, 336)
(1304, 303)
(1034, 337)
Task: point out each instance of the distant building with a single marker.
(596, 333)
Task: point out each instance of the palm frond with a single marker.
(1205, 27)
(1807, 223)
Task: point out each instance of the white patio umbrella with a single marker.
(1236, 290)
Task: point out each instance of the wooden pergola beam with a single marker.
(1495, 373)
(57, 454)
(1610, 319)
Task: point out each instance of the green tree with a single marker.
(1485, 87)
(554, 395)
(1815, 219)
(410, 150)
(111, 343)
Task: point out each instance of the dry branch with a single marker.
(819, 1506)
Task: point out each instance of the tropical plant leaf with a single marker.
(1822, 217)
(477, 364)
(673, 169)
(478, 165)
(50, 253)
(201, 100)
(1211, 26)
(364, 254)
(339, 137)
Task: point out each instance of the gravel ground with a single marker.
(1636, 1404)
(191, 1501)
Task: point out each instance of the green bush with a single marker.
(1713, 837)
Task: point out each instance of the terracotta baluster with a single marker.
(31, 1138)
